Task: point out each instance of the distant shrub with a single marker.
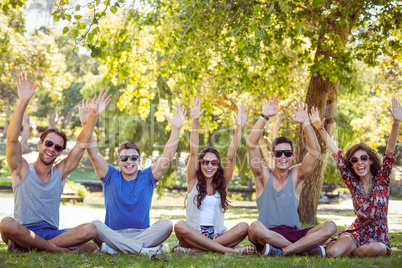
(78, 187)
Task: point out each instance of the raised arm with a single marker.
(169, 151)
(270, 108)
(313, 147)
(192, 164)
(98, 105)
(17, 164)
(319, 125)
(230, 158)
(396, 113)
(99, 163)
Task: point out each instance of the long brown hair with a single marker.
(374, 168)
(218, 181)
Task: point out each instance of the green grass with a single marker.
(41, 259)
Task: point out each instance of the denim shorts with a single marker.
(46, 231)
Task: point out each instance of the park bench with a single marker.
(70, 196)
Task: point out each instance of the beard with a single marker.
(46, 162)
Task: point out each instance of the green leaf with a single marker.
(252, 41)
(97, 2)
(257, 8)
(77, 17)
(113, 9)
(103, 44)
(56, 18)
(301, 31)
(77, 8)
(65, 30)
(75, 33)
(81, 25)
(95, 31)
(91, 6)
(5, 9)
(237, 31)
(257, 33)
(315, 3)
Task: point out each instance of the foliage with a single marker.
(78, 187)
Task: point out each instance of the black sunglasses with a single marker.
(124, 158)
(363, 157)
(57, 148)
(205, 162)
(288, 153)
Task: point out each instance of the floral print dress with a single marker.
(371, 209)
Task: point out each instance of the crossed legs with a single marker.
(345, 245)
(259, 235)
(190, 238)
(26, 239)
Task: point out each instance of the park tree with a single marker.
(237, 49)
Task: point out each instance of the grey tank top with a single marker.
(278, 208)
(37, 202)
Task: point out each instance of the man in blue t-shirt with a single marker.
(128, 195)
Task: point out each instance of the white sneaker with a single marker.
(108, 250)
(161, 249)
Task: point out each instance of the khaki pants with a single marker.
(131, 241)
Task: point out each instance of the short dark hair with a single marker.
(280, 140)
(56, 131)
(128, 145)
(373, 156)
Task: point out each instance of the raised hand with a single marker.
(396, 111)
(179, 116)
(315, 119)
(25, 91)
(301, 115)
(242, 118)
(195, 108)
(270, 107)
(84, 110)
(98, 105)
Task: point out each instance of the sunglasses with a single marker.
(288, 153)
(205, 162)
(57, 148)
(124, 158)
(363, 157)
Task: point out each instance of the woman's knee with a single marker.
(376, 249)
(181, 227)
(333, 251)
(243, 228)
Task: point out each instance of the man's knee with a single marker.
(167, 226)
(8, 226)
(89, 231)
(255, 229)
(329, 229)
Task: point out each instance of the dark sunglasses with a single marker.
(57, 148)
(363, 157)
(288, 153)
(124, 158)
(205, 162)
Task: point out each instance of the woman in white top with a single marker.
(207, 185)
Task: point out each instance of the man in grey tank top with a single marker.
(38, 186)
(277, 231)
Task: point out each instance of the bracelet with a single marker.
(266, 117)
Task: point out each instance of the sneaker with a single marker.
(108, 250)
(161, 249)
(317, 251)
(271, 251)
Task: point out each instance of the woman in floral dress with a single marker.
(368, 182)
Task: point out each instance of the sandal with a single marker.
(247, 250)
(179, 248)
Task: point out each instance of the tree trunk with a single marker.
(25, 134)
(52, 119)
(322, 93)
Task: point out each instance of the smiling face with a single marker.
(283, 162)
(209, 170)
(47, 155)
(130, 167)
(362, 167)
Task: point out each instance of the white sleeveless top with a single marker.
(207, 210)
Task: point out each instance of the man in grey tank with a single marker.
(277, 231)
(38, 186)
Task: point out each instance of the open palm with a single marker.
(195, 108)
(179, 116)
(315, 118)
(242, 116)
(25, 90)
(396, 110)
(301, 114)
(98, 105)
(270, 107)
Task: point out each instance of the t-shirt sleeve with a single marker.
(340, 163)
(110, 174)
(150, 177)
(386, 168)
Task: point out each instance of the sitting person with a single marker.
(128, 195)
(278, 231)
(368, 182)
(38, 186)
(207, 185)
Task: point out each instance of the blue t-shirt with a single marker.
(128, 203)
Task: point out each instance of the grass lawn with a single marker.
(40, 259)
